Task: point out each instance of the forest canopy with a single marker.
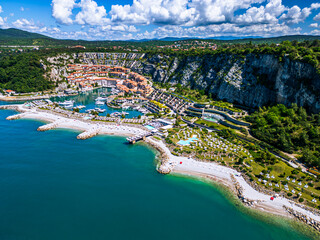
(23, 73)
(289, 129)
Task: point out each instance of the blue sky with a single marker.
(139, 19)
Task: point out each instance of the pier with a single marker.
(136, 138)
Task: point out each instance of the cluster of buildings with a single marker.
(176, 103)
(128, 60)
(87, 76)
(108, 55)
(188, 45)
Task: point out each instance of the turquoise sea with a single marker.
(53, 186)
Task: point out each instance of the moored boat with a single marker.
(99, 103)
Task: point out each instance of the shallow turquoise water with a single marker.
(53, 186)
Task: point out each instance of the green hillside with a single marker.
(12, 34)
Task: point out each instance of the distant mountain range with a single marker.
(173, 39)
(14, 36)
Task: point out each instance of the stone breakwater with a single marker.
(165, 166)
(89, 134)
(303, 218)
(49, 126)
(15, 117)
(10, 107)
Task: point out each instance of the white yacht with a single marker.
(100, 110)
(89, 110)
(99, 103)
(80, 107)
(115, 114)
(66, 104)
(101, 99)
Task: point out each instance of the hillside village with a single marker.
(86, 76)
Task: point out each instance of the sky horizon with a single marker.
(150, 19)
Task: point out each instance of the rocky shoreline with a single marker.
(303, 218)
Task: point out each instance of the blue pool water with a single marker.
(211, 119)
(149, 127)
(188, 141)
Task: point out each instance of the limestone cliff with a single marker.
(251, 80)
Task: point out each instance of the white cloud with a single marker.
(91, 13)
(22, 9)
(190, 18)
(317, 17)
(119, 28)
(218, 11)
(179, 12)
(315, 32)
(11, 14)
(314, 25)
(296, 15)
(153, 11)
(2, 21)
(25, 24)
(62, 11)
(226, 29)
(1, 10)
(315, 5)
(263, 14)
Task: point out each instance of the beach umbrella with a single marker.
(272, 198)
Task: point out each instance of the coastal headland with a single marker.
(170, 163)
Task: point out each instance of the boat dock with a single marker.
(136, 138)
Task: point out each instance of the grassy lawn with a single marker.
(210, 124)
(225, 105)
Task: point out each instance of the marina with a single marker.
(95, 99)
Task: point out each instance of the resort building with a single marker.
(85, 76)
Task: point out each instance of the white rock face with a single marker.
(249, 80)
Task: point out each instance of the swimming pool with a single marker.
(150, 127)
(211, 119)
(188, 141)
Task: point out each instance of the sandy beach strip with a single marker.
(222, 174)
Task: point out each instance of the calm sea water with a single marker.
(88, 99)
(53, 186)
